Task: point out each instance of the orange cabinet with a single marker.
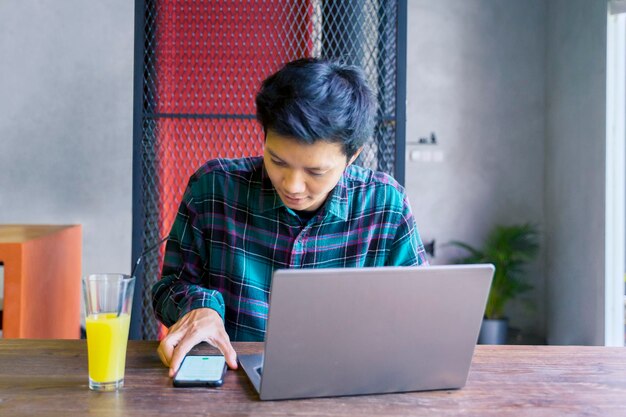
(42, 271)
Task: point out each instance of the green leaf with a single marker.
(510, 249)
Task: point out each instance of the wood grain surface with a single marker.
(49, 378)
(17, 233)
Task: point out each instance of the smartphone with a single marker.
(201, 371)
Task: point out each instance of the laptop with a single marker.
(355, 331)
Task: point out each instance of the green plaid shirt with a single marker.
(232, 231)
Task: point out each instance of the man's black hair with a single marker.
(312, 99)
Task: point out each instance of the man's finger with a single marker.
(182, 348)
(167, 345)
(231, 358)
(162, 357)
(222, 342)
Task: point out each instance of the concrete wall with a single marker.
(479, 72)
(575, 170)
(476, 77)
(66, 84)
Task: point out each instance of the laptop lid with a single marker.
(357, 331)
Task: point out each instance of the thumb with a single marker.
(223, 344)
(231, 358)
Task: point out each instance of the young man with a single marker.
(302, 205)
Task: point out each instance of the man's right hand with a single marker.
(200, 325)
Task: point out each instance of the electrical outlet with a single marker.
(426, 156)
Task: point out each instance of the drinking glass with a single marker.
(108, 303)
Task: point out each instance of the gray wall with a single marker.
(514, 91)
(476, 77)
(66, 77)
(575, 172)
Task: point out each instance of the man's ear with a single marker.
(355, 156)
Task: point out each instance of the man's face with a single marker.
(303, 175)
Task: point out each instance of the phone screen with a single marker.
(205, 370)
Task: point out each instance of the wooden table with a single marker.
(49, 378)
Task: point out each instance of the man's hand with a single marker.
(200, 325)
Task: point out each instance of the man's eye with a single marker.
(279, 163)
(316, 173)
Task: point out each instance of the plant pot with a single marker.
(493, 332)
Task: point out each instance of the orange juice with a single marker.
(107, 336)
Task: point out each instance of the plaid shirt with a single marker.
(232, 231)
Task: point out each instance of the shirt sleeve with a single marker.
(407, 248)
(181, 288)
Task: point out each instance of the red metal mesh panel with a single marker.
(210, 60)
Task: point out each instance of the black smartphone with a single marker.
(201, 371)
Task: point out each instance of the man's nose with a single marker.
(293, 182)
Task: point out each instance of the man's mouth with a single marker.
(293, 199)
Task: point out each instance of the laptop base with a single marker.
(252, 365)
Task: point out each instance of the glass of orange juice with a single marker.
(108, 303)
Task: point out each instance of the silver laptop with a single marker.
(355, 331)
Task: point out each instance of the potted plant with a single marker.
(509, 248)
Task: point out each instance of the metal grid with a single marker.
(203, 62)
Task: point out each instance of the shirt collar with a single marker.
(337, 203)
(268, 198)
